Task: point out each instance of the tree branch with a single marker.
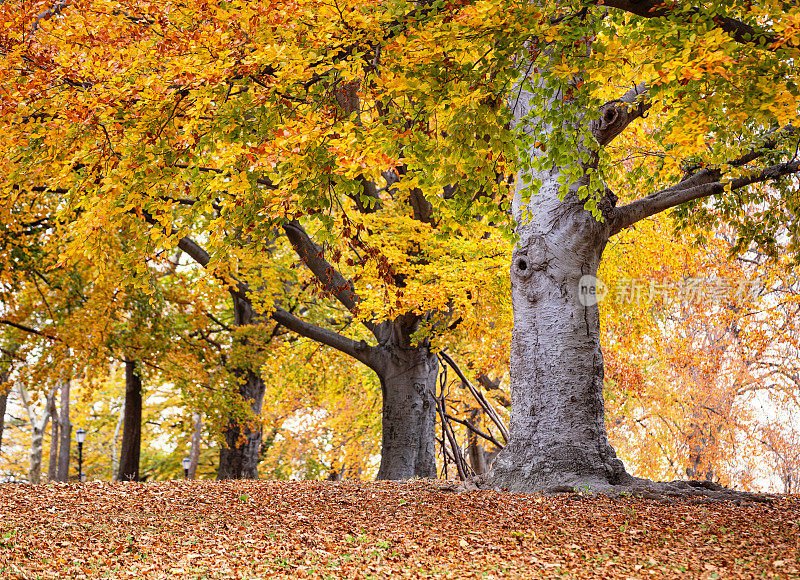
(487, 407)
(616, 115)
(477, 431)
(29, 330)
(359, 350)
(738, 30)
(330, 278)
(704, 183)
(194, 250)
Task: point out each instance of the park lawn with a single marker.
(281, 529)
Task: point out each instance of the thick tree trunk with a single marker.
(407, 371)
(408, 377)
(194, 452)
(405, 366)
(558, 433)
(66, 433)
(132, 426)
(241, 453)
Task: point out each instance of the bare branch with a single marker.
(447, 429)
(487, 407)
(477, 431)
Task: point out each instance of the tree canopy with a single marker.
(355, 172)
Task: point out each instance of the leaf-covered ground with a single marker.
(269, 529)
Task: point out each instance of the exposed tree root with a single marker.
(694, 492)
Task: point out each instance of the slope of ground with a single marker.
(270, 529)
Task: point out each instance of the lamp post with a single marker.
(80, 437)
(186, 462)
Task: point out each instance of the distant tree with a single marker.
(693, 341)
(128, 469)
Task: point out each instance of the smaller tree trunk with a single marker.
(239, 457)
(194, 453)
(3, 402)
(52, 464)
(132, 426)
(115, 442)
(37, 445)
(241, 453)
(38, 428)
(66, 434)
(477, 457)
(4, 390)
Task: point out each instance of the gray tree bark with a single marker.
(408, 446)
(130, 449)
(475, 451)
(115, 442)
(4, 390)
(38, 427)
(558, 436)
(557, 432)
(241, 453)
(3, 403)
(66, 434)
(194, 452)
(52, 464)
(407, 369)
(407, 372)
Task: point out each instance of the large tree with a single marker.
(726, 144)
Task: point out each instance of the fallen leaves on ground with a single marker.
(280, 529)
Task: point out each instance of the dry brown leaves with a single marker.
(271, 529)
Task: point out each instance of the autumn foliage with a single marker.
(154, 153)
(357, 530)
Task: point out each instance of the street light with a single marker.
(80, 437)
(186, 462)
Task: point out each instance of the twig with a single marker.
(477, 431)
(487, 407)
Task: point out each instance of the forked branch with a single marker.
(329, 277)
